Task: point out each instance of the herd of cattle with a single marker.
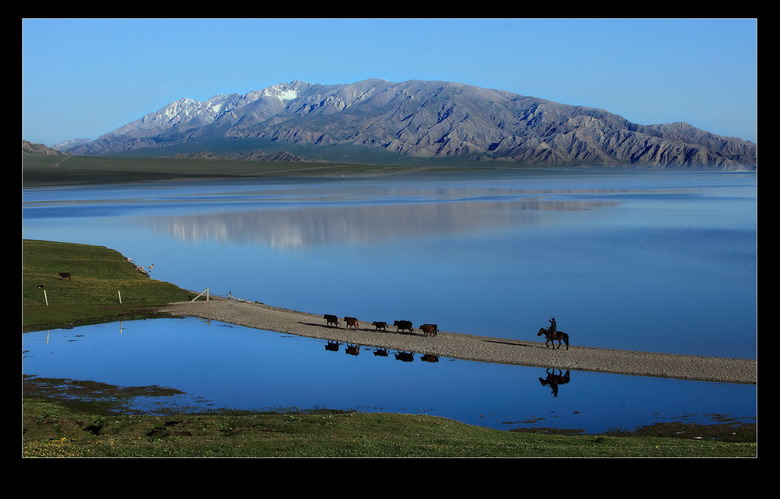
(352, 322)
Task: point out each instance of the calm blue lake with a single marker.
(643, 260)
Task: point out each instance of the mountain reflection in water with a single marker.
(306, 226)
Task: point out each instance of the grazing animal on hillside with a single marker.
(351, 322)
(429, 329)
(331, 319)
(65, 275)
(403, 325)
(380, 325)
(556, 336)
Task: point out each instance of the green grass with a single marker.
(56, 429)
(99, 277)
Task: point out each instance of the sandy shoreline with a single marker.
(477, 348)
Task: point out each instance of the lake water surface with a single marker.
(641, 260)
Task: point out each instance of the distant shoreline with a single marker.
(475, 348)
(40, 170)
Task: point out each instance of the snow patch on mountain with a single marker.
(281, 91)
(189, 113)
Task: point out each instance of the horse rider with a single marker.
(553, 326)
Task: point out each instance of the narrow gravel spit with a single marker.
(470, 347)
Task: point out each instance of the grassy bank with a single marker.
(99, 278)
(66, 418)
(74, 428)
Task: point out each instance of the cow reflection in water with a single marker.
(332, 346)
(554, 380)
(381, 352)
(353, 350)
(430, 358)
(404, 356)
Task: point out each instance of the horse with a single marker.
(556, 336)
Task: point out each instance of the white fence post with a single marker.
(120, 296)
(201, 294)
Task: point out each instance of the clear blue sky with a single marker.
(82, 78)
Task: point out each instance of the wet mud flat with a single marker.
(471, 347)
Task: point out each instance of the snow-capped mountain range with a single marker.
(414, 119)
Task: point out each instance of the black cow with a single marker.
(380, 325)
(403, 325)
(331, 319)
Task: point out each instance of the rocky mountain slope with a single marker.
(418, 119)
(34, 148)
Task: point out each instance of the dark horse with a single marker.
(556, 336)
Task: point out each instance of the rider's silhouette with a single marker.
(553, 326)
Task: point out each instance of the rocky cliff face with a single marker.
(424, 119)
(33, 148)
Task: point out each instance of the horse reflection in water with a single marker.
(332, 346)
(554, 380)
(353, 350)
